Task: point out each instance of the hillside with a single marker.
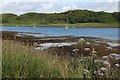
(71, 17)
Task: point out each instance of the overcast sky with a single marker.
(51, 6)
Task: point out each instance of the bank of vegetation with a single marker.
(71, 17)
(20, 61)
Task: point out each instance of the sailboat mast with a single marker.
(34, 25)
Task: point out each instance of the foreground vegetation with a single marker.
(72, 17)
(22, 62)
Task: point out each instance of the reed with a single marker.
(20, 61)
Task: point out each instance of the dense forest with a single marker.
(71, 16)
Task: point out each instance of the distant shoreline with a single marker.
(78, 25)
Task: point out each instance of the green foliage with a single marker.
(8, 18)
(20, 61)
(117, 16)
(71, 16)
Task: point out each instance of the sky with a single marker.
(51, 6)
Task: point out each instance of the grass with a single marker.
(20, 61)
(82, 25)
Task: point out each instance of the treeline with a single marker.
(71, 16)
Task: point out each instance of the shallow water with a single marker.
(106, 33)
(48, 45)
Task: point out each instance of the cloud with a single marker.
(51, 7)
(101, 6)
(46, 6)
(59, 0)
(94, 6)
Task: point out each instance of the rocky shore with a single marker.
(64, 45)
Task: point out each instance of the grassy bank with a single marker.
(82, 25)
(22, 62)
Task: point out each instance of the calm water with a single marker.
(106, 33)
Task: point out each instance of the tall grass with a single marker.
(22, 62)
(0, 57)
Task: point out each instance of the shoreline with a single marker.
(63, 45)
(79, 25)
(15, 32)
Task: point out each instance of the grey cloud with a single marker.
(24, 7)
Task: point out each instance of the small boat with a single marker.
(34, 25)
(66, 28)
